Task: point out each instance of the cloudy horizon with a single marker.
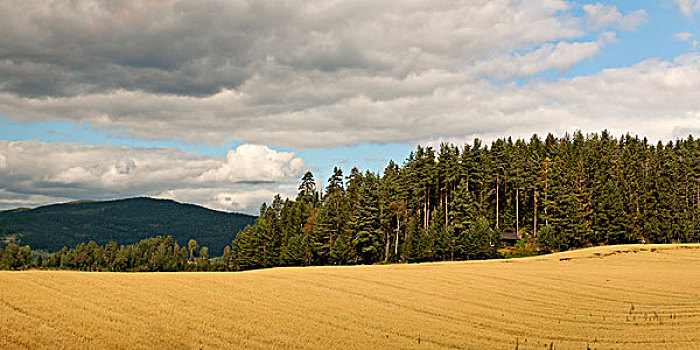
(226, 103)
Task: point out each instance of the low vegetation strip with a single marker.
(618, 297)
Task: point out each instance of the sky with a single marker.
(225, 103)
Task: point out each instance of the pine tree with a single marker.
(226, 257)
(193, 248)
(331, 219)
(367, 238)
(10, 258)
(440, 238)
(480, 240)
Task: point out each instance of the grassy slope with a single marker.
(620, 297)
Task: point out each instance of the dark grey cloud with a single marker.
(67, 48)
(197, 48)
(303, 74)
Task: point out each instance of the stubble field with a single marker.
(619, 297)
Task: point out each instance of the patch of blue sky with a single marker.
(365, 156)
(653, 39)
(65, 131)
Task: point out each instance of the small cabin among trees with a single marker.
(509, 238)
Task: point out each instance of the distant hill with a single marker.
(124, 221)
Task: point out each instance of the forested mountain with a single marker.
(452, 203)
(125, 221)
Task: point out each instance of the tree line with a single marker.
(149, 255)
(453, 203)
(447, 204)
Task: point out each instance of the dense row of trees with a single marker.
(453, 203)
(151, 254)
(449, 204)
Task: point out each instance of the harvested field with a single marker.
(617, 297)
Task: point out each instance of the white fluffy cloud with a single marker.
(34, 173)
(602, 16)
(687, 7)
(560, 56)
(654, 98)
(684, 36)
(254, 163)
(687, 36)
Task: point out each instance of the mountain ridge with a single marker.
(125, 221)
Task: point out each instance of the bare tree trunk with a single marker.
(517, 210)
(337, 228)
(405, 213)
(447, 200)
(534, 225)
(396, 243)
(425, 209)
(496, 201)
(386, 248)
(546, 204)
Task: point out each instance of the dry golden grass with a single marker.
(620, 297)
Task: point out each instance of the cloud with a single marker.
(561, 57)
(654, 98)
(253, 163)
(687, 7)
(318, 74)
(602, 16)
(70, 48)
(648, 98)
(685, 36)
(35, 173)
(311, 74)
(215, 71)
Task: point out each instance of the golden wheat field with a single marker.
(619, 297)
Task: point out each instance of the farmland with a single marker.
(616, 297)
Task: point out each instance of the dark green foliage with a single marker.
(148, 255)
(480, 240)
(10, 258)
(550, 240)
(124, 221)
(439, 238)
(14, 257)
(367, 236)
(558, 193)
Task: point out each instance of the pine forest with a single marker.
(455, 203)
